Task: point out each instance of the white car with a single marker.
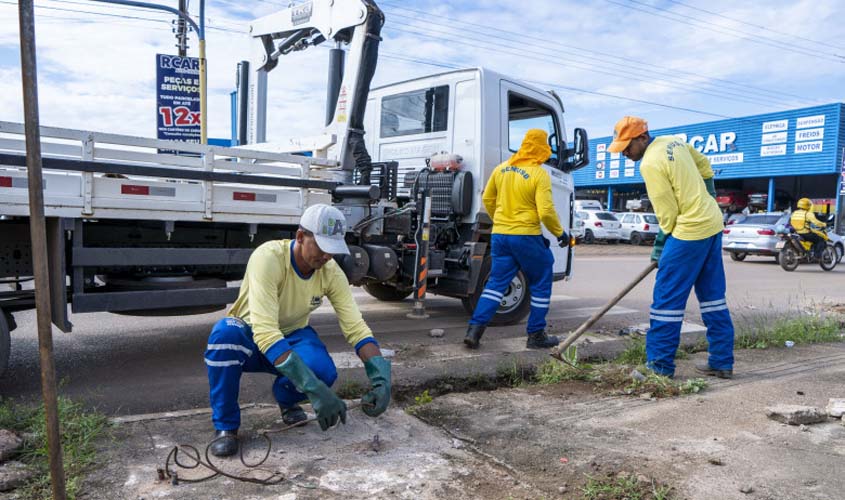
(600, 225)
(638, 227)
(577, 229)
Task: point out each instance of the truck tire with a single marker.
(517, 296)
(386, 293)
(5, 343)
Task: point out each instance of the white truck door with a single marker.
(523, 109)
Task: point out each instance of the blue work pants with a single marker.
(684, 264)
(231, 351)
(512, 253)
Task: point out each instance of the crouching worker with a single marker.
(267, 330)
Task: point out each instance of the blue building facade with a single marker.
(797, 152)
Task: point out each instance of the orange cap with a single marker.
(629, 127)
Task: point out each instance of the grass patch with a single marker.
(801, 329)
(351, 389)
(514, 374)
(617, 379)
(624, 487)
(79, 430)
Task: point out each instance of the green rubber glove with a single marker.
(659, 242)
(375, 402)
(710, 184)
(328, 407)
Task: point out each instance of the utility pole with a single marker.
(182, 30)
(38, 236)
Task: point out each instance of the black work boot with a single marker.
(704, 367)
(225, 443)
(293, 415)
(539, 340)
(473, 337)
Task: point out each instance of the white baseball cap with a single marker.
(328, 225)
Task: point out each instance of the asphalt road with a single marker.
(126, 365)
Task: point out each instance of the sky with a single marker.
(674, 62)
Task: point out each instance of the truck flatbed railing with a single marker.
(102, 175)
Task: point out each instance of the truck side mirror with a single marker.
(578, 156)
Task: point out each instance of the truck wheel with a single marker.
(386, 293)
(589, 237)
(738, 256)
(636, 238)
(514, 306)
(5, 343)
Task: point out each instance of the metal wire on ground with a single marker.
(168, 472)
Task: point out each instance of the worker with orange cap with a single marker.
(679, 181)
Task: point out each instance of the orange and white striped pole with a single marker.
(421, 266)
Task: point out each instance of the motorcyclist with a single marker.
(805, 223)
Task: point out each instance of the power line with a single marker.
(629, 70)
(523, 36)
(758, 26)
(553, 86)
(743, 34)
(528, 54)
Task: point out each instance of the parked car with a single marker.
(760, 201)
(638, 227)
(600, 225)
(756, 234)
(732, 200)
(641, 204)
(588, 205)
(577, 227)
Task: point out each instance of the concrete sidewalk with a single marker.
(510, 443)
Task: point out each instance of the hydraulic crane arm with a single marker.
(355, 23)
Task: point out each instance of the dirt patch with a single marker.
(512, 426)
(572, 442)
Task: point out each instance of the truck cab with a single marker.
(481, 117)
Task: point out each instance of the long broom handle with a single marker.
(556, 352)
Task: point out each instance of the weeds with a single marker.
(351, 389)
(617, 379)
(79, 430)
(513, 374)
(624, 487)
(555, 372)
(801, 329)
(421, 400)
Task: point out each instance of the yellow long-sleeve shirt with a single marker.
(674, 174)
(275, 299)
(519, 198)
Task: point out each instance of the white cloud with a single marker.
(100, 75)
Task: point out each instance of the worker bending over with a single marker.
(679, 181)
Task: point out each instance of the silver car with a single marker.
(638, 227)
(756, 234)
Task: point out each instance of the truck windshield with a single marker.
(525, 114)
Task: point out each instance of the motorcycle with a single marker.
(794, 250)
